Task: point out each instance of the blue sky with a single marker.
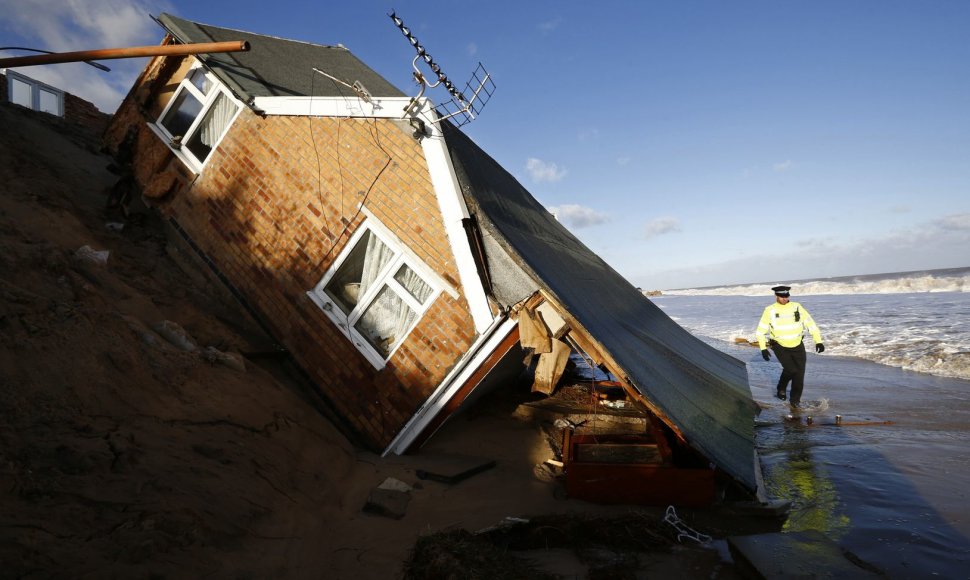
(689, 143)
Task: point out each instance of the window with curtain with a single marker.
(374, 293)
(198, 115)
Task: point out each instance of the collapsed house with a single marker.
(403, 268)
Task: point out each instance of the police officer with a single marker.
(783, 323)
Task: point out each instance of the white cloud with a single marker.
(622, 160)
(550, 25)
(541, 171)
(940, 243)
(783, 166)
(956, 222)
(661, 226)
(472, 49)
(578, 216)
(77, 25)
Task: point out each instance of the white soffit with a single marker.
(387, 108)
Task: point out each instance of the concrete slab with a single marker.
(390, 503)
(808, 554)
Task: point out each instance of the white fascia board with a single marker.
(384, 108)
(453, 211)
(483, 347)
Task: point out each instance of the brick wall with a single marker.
(276, 204)
(77, 111)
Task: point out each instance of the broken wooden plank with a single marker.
(551, 367)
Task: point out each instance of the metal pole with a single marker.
(131, 52)
(96, 65)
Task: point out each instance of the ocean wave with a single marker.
(929, 357)
(876, 284)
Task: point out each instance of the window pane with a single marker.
(197, 77)
(21, 93)
(385, 321)
(213, 125)
(359, 271)
(49, 103)
(182, 113)
(413, 284)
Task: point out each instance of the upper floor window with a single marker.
(197, 117)
(375, 292)
(33, 94)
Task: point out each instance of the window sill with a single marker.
(358, 341)
(191, 164)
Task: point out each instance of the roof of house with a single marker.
(702, 390)
(277, 67)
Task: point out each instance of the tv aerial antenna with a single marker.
(463, 106)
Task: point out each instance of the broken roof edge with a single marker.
(168, 22)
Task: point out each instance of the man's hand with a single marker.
(766, 356)
(820, 347)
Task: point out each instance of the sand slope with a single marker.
(136, 441)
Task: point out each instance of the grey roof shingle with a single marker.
(277, 67)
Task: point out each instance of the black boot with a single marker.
(780, 393)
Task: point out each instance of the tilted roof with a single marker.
(701, 390)
(277, 67)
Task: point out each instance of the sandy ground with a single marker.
(137, 441)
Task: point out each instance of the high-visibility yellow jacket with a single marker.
(785, 325)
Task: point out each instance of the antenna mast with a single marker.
(463, 109)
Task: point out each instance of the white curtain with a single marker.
(377, 324)
(413, 284)
(217, 119)
(389, 317)
(385, 321)
(377, 256)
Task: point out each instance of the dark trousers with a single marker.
(793, 369)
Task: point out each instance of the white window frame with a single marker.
(36, 88)
(179, 148)
(402, 256)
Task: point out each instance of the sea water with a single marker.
(891, 484)
(916, 321)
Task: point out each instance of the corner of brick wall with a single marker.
(85, 115)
